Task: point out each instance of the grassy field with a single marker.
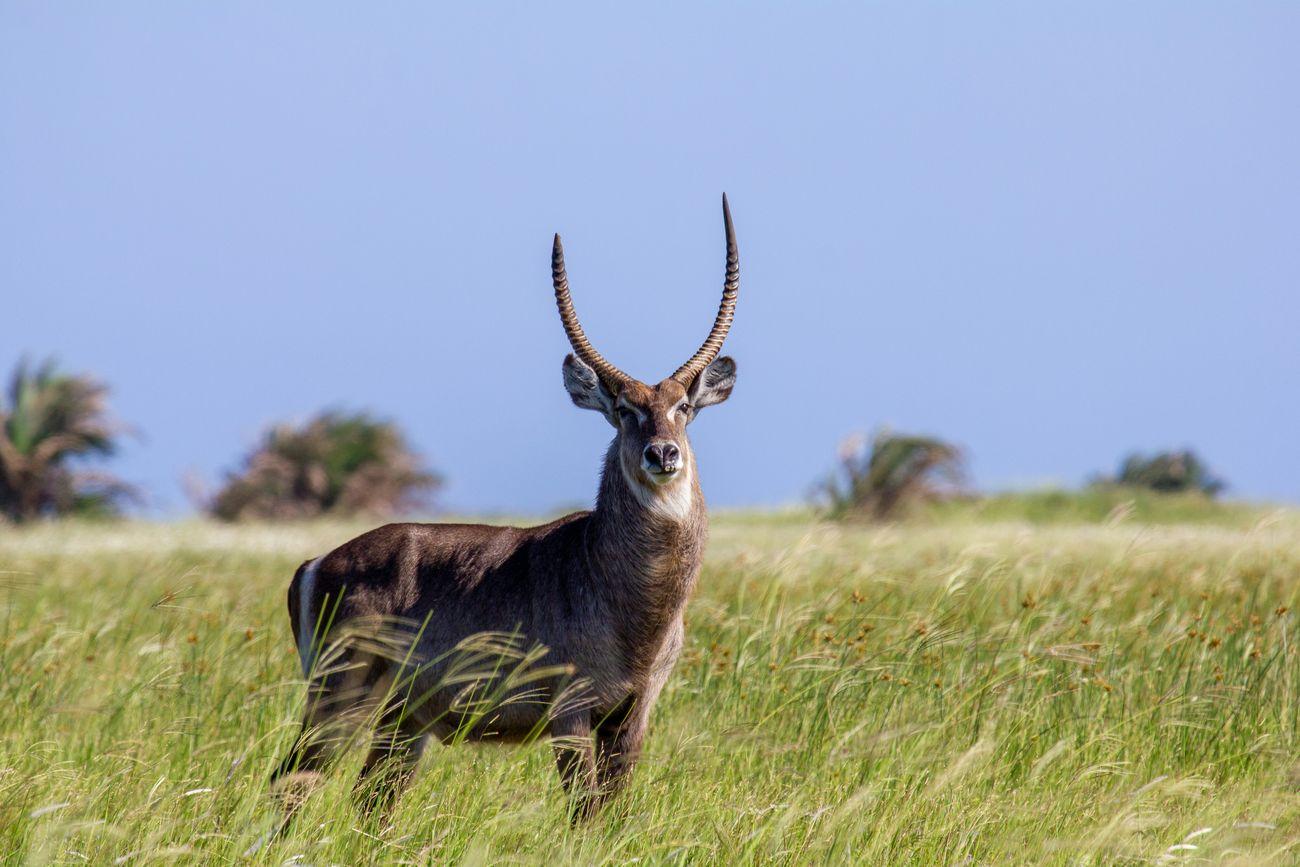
(967, 690)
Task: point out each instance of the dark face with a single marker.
(651, 420)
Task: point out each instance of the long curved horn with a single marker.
(612, 376)
(708, 350)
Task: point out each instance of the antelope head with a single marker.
(650, 420)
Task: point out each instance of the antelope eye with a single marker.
(686, 409)
(626, 414)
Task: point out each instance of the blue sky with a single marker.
(1049, 232)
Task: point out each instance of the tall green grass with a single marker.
(943, 693)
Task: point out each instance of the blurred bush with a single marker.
(48, 421)
(880, 480)
(1176, 472)
(337, 464)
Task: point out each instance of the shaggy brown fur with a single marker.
(602, 591)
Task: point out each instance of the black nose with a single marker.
(663, 457)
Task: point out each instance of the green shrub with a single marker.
(336, 464)
(896, 472)
(1170, 473)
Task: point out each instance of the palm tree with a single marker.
(336, 464)
(894, 472)
(49, 421)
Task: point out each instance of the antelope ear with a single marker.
(714, 383)
(585, 388)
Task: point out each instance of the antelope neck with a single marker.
(658, 534)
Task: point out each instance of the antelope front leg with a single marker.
(618, 746)
(620, 734)
(575, 759)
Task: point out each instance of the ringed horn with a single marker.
(703, 356)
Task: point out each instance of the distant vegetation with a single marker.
(49, 421)
(922, 478)
(1179, 472)
(337, 464)
(1095, 504)
(895, 472)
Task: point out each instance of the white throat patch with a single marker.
(673, 501)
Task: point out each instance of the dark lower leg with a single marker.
(618, 746)
(389, 766)
(575, 760)
(617, 758)
(335, 705)
(300, 772)
(617, 752)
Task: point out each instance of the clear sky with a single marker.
(1050, 232)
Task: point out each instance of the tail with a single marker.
(303, 612)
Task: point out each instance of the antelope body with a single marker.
(602, 591)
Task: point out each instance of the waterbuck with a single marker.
(602, 591)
